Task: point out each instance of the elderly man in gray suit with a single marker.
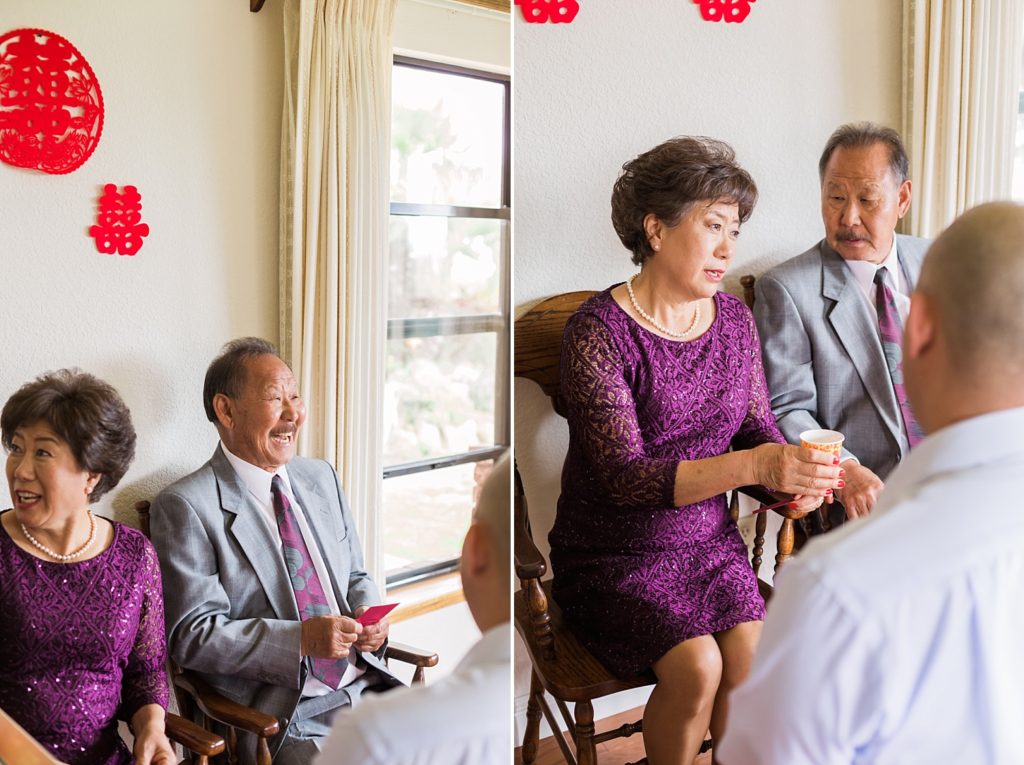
(829, 319)
(262, 568)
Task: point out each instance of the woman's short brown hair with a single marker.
(84, 411)
(667, 179)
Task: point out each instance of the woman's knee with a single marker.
(738, 653)
(692, 668)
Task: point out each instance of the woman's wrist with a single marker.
(753, 467)
(149, 719)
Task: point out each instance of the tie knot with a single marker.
(880, 275)
(280, 499)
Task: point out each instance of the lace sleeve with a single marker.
(145, 675)
(603, 421)
(759, 425)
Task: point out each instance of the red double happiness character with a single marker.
(728, 10)
(555, 11)
(119, 227)
(51, 107)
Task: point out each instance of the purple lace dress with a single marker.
(81, 645)
(634, 574)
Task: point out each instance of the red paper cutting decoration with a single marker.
(730, 10)
(51, 108)
(119, 227)
(555, 11)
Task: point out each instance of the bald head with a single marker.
(493, 508)
(974, 278)
(486, 551)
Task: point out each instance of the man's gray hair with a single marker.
(226, 373)
(855, 135)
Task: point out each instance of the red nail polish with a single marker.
(792, 505)
(829, 492)
(841, 484)
(842, 473)
(835, 461)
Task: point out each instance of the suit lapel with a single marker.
(853, 323)
(243, 522)
(321, 522)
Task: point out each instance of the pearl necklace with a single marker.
(58, 556)
(654, 322)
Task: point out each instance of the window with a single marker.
(446, 395)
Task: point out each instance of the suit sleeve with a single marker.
(201, 634)
(788, 358)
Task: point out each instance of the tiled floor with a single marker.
(616, 752)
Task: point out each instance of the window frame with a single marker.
(446, 326)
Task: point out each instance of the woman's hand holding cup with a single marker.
(810, 474)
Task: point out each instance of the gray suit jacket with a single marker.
(230, 610)
(823, 356)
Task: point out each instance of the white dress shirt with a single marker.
(462, 719)
(864, 273)
(896, 639)
(258, 481)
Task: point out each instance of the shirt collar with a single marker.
(989, 438)
(494, 645)
(864, 271)
(256, 479)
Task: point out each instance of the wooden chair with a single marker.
(561, 665)
(199, 744)
(198, 700)
(18, 746)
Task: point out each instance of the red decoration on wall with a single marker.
(555, 11)
(51, 107)
(730, 10)
(119, 227)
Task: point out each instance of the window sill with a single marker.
(425, 596)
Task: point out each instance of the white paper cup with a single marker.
(830, 441)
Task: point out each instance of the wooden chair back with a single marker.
(560, 664)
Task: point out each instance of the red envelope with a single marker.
(374, 614)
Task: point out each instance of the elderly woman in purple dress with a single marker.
(81, 610)
(668, 409)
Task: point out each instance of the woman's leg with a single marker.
(679, 710)
(737, 647)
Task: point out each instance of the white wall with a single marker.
(452, 33)
(192, 92)
(594, 93)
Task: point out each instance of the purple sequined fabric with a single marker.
(81, 645)
(634, 574)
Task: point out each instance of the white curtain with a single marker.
(962, 61)
(336, 134)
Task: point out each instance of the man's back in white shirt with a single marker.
(895, 640)
(462, 719)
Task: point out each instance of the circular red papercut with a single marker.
(51, 107)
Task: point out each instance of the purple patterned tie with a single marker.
(309, 594)
(891, 330)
